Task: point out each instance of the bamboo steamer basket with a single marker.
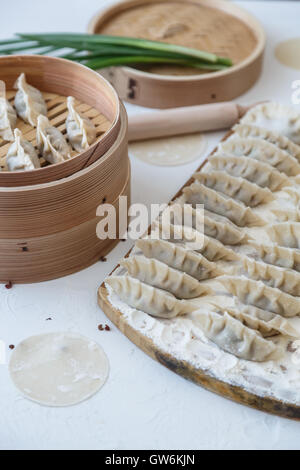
(225, 29)
(57, 79)
(48, 230)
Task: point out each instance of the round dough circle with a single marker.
(288, 53)
(58, 369)
(170, 151)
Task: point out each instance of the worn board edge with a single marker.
(183, 368)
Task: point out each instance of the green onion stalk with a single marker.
(98, 51)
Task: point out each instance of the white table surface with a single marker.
(143, 405)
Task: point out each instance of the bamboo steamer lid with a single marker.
(217, 26)
(57, 79)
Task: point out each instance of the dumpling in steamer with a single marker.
(29, 101)
(51, 142)
(275, 117)
(235, 338)
(8, 116)
(148, 299)
(21, 155)
(158, 274)
(81, 131)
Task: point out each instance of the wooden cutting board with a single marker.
(187, 370)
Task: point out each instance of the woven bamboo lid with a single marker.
(217, 26)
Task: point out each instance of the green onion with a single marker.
(99, 51)
(115, 61)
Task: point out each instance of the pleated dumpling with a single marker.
(51, 142)
(29, 101)
(285, 234)
(21, 155)
(282, 142)
(262, 296)
(263, 151)
(284, 279)
(148, 299)
(214, 225)
(275, 117)
(215, 202)
(234, 337)
(8, 116)
(262, 174)
(191, 239)
(178, 257)
(266, 323)
(277, 255)
(81, 130)
(158, 274)
(238, 188)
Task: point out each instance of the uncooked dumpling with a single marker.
(21, 155)
(178, 257)
(8, 116)
(234, 337)
(148, 299)
(275, 117)
(29, 101)
(51, 142)
(81, 131)
(158, 274)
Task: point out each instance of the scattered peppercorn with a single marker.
(103, 259)
(11, 346)
(8, 285)
(107, 328)
(48, 319)
(100, 327)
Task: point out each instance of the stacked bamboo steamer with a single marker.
(48, 216)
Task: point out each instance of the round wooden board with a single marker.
(168, 87)
(183, 368)
(186, 370)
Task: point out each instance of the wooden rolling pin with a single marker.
(187, 120)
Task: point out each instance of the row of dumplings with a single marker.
(245, 251)
(52, 145)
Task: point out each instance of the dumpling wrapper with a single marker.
(58, 369)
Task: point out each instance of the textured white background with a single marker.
(143, 405)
